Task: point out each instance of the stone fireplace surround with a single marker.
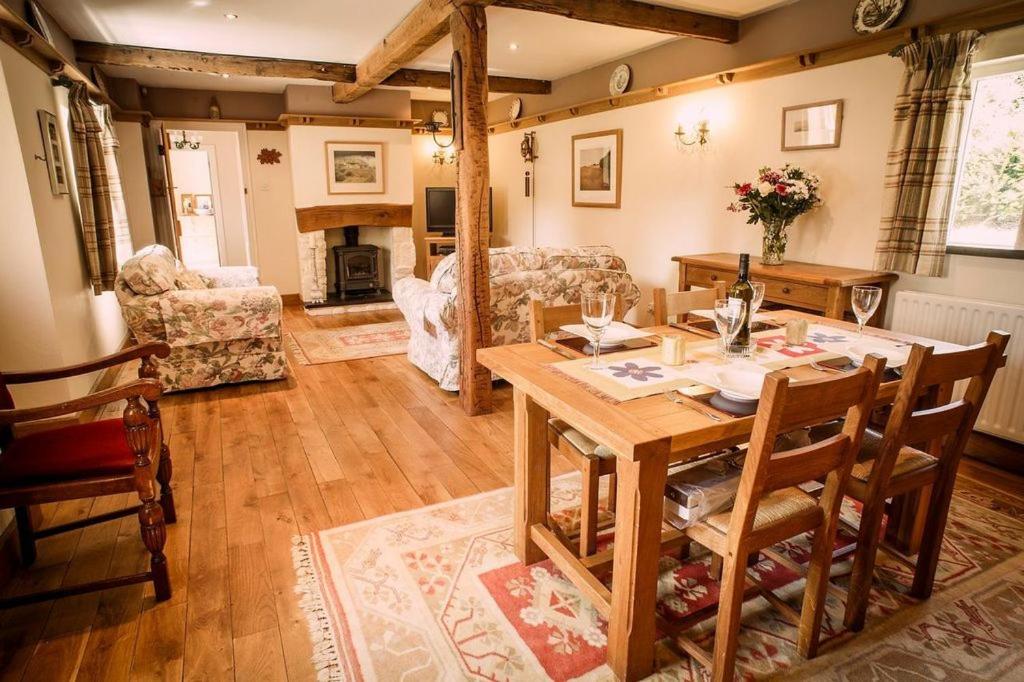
(396, 243)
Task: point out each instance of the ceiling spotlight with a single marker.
(513, 46)
(230, 16)
(200, 3)
(225, 75)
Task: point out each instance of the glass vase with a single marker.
(773, 250)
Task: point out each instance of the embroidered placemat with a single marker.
(630, 375)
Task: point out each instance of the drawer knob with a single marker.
(785, 290)
(714, 277)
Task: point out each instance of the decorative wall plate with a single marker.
(515, 108)
(619, 82)
(872, 16)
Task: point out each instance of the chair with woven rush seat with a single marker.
(592, 459)
(668, 306)
(770, 507)
(892, 465)
(91, 459)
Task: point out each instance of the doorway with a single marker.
(207, 195)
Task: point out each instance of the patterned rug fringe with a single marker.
(296, 349)
(325, 653)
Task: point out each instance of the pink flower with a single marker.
(781, 189)
(744, 189)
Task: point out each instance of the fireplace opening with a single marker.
(357, 267)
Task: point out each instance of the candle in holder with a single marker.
(796, 332)
(673, 349)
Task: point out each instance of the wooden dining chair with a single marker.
(668, 307)
(921, 448)
(91, 459)
(592, 459)
(770, 508)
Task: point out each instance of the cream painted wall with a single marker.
(274, 211)
(87, 326)
(425, 173)
(673, 202)
(135, 182)
(309, 164)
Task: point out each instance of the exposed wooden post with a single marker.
(469, 43)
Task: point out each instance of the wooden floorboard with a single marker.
(255, 465)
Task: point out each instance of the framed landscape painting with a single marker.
(597, 169)
(355, 167)
(812, 126)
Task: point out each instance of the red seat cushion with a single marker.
(68, 453)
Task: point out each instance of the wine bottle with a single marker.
(741, 292)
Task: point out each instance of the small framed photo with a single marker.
(812, 126)
(355, 167)
(204, 204)
(597, 169)
(188, 204)
(54, 152)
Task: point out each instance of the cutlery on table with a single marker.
(557, 349)
(680, 398)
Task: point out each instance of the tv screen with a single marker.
(441, 209)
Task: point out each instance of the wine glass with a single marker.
(729, 315)
(755, 304)
(598, 310)
(865, 302)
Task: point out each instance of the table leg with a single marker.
(532, 474)
(638, 516)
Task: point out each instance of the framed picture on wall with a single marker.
(812, 126)
(54, 152)
(355, 167)
(188, 204)
(204, 204)
(597, 169)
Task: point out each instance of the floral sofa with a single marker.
(221, 325)
(556, 276)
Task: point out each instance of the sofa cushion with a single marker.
(577, 261)
(190, 279)
(210, 315)
(152, 270)
(514, 259)
(511, 259)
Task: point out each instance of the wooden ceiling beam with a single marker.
(203, 62)
(426, 24)
(441, 81)
(638, 15)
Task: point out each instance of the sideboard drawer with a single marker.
(707, 278)
(805, 295)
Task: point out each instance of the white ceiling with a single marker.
(550, 47)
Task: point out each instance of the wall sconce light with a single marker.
(441, 157)
(698, 137)
(185, 141)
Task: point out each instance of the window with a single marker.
(988, 200)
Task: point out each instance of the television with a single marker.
(441, 209)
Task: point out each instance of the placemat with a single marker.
(640, 373)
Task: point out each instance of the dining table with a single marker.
(647, 435)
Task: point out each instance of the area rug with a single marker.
(437, 593)
(320, 346)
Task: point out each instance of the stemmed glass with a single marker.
(755, 304)
(729, 316)
(865, 302)
(598, 310)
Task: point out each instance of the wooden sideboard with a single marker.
(820, 288)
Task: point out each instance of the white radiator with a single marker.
(967, 321)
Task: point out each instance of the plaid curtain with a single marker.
(922, 160)
(101, 207)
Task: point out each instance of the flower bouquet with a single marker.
(779, 196)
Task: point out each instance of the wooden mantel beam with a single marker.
(426, 24)
(639, 15)
(472, 237)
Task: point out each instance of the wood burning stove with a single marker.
(357, 267)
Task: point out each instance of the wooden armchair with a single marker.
(104, 457)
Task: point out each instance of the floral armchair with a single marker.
(221, 325)
(556, 276)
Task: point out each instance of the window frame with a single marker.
(981, 70)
